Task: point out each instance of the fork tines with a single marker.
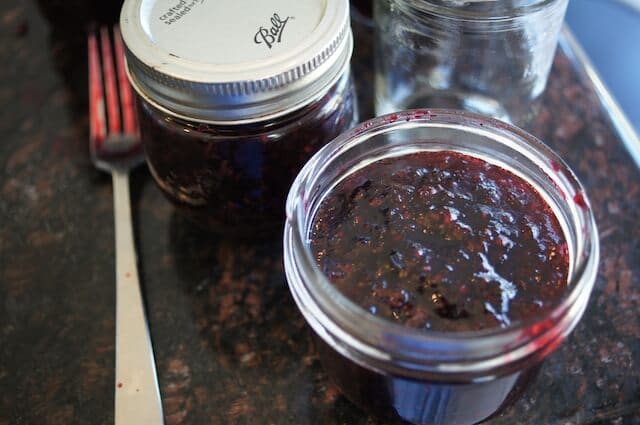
(107, 75)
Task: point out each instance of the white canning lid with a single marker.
(235, 61)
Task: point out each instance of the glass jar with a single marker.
(417, 375)
(230, 113)
(485, 56)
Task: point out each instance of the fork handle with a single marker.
(137, 396)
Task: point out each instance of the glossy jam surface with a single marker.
(442, 241)
(235, 178)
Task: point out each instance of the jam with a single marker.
(441, 240)
(236, 177)
(228, 118)
(364, 7)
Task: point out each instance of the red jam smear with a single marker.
(443, 241)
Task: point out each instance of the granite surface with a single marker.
(230, 345)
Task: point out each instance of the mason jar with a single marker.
(425, 376)
(485, 56)
(234, 97)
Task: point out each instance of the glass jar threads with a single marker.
(234, 97)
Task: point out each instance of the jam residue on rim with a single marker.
(443, 241)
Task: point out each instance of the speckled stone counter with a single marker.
(230, 345)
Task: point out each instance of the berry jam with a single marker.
(235, 178)
(442, 241)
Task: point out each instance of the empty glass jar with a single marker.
(485, 56)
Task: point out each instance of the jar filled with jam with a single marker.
(438, 256)
(234, 97)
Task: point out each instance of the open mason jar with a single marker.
(418, 375)
(234, 97)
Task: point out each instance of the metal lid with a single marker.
(234, 61)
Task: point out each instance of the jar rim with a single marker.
(383, 345)
(472, 10)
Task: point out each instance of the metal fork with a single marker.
(115, 148)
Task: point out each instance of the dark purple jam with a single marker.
(364, 7)
(442, 241)
(235, 178)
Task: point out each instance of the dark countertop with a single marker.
(230, 344)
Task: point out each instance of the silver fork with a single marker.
(115, 148)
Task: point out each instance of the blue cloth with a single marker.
(609, 31)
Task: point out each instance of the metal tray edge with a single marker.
(579, 59)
